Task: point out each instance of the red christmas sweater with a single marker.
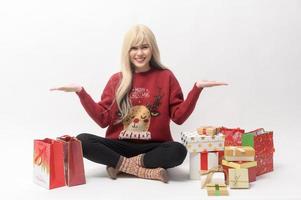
(156, 97)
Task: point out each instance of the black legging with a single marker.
(156, 154)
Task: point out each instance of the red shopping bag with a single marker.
(48, 163)
(262, 142)
(232, 136)
(73, 161)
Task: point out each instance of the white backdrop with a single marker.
(254, 45)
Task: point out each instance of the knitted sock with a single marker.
(130, 166)
(138, 160)
(113, 172)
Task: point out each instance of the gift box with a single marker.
(217, 190)
(207, 130)
(238, 178)
(203, 161)
(262, 142)
(232, 136)
(251, 166)
(215, 175)
(239, 153)
(195, 142)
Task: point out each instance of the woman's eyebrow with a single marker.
(141, 45)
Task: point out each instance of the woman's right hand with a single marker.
(68, 88)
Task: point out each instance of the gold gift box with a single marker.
(207, 130)
(217, 189)
(239, 153)
(239, 178)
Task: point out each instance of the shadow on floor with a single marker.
(177, 174)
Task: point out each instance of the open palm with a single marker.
(68, 88)
(204, 83)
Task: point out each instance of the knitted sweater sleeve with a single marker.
(100, 111)
(181, 109)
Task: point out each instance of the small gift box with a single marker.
(207, 130)
(195, 142)
(251, 166)
(239, 153)
(262, 142)
(217, 190)
(215, 175)
(238, 178)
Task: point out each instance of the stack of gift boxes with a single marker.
(228, 154)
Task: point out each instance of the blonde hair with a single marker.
(135, 36)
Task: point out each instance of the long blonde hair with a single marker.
(135, 36)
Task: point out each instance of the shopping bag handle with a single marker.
(67, 138)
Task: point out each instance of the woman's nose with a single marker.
(139, 52)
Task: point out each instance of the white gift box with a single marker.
(195, 142)
(217, 178)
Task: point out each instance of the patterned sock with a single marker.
(113, 172)
(138, 160)
(130, 166)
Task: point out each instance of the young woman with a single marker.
(137, 105)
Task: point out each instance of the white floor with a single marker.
(16, 179)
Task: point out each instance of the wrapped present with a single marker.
(215, 175)
(232, 136)
(251, 166)
(203, 161)
(262, 142)
(48, 163)
(217, 190)
(207, 130)
(238, 178)
(239, 153)
(202, 143)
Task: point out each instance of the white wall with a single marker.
(254, 45)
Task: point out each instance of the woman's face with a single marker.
(140, 56)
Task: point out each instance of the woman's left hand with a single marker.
(203, 84)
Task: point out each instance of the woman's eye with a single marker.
(134, 48)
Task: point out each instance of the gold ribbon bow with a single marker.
(210, 173)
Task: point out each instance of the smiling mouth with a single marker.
(139, 59)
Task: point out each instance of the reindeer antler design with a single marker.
(153, 108)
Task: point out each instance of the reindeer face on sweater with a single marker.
(138, 119)
(137, 122)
